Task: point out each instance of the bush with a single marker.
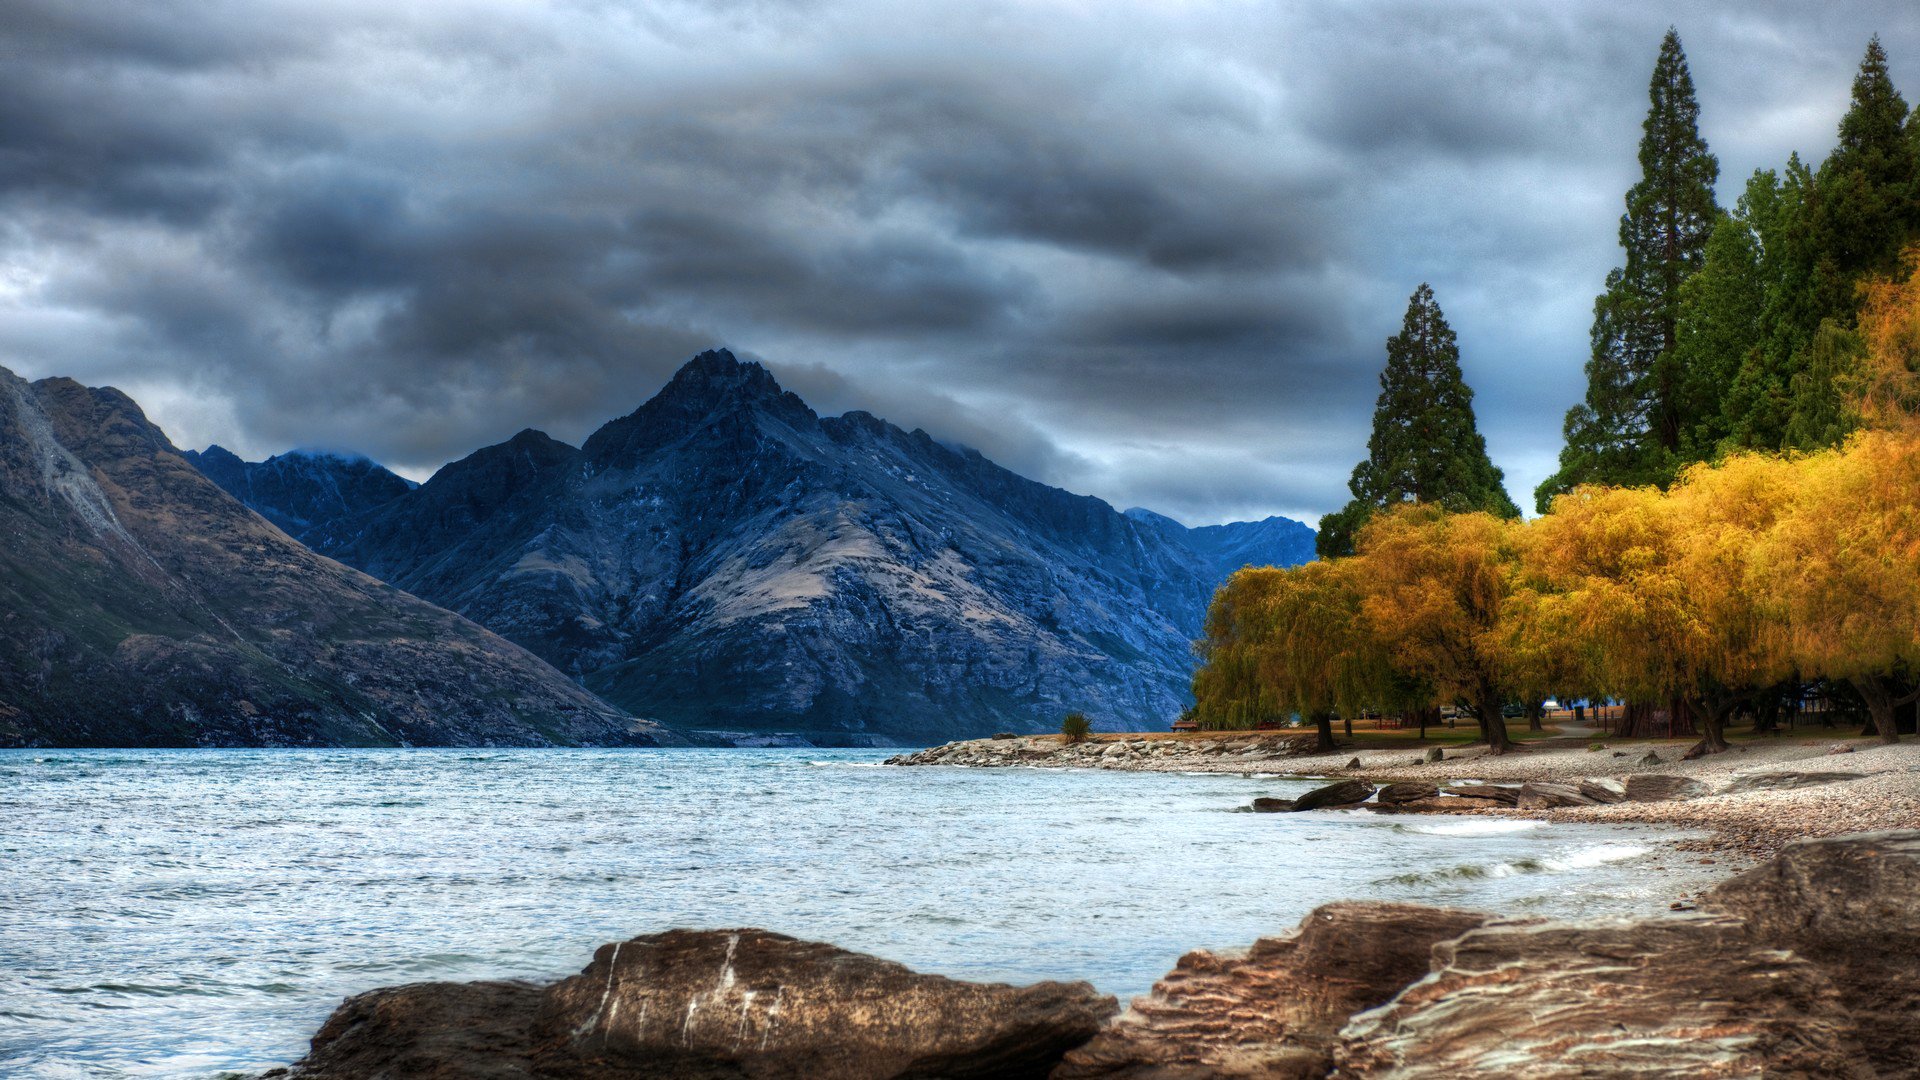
(1075, 728)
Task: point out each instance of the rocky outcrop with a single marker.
(708, 1005)
(1852, 906)
(1682, 997)
(725, 557)
(141, 605)
(1602, 790)
(1274, 1011)
(1402, 793)
(1781, 781)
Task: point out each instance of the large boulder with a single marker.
(1661, 787)
(1339, 794)
(1602, 790)
(1540, 795)
(1274, 1010)
(1851, 905)
(712, 1005)
(1692, 997)
(1399, 794)
(1505, 794)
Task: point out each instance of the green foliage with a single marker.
(1632, 418)
(1425, 446)
(1075, 728)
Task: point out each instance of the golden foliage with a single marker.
(1745, 573)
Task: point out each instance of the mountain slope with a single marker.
(1274, 541)
(303, 492)
(140, 605)
(723, 557)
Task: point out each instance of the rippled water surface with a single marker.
(181, 913)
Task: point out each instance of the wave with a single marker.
(1583, 859)
(1476, 827)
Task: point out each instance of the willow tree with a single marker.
(1434, 585)
(1288, 641)
(1425, 446)
(1629, 427)
(1654, 592)
(1845, 564)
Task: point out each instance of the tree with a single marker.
(1716, 330)
(1434, 585)
(1075, 728)
(1425, 446)
(1864, 213)
(1282, 642)
(1631, 420)
(1756, 407)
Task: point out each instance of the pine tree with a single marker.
(1630, 425)
(1716, 332)
(1864, 211)
(1756, 404)
(1425, 446)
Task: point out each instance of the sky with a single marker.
(1149, 251)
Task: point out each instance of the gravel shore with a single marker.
(1739, 826)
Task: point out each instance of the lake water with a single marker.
(181, 913)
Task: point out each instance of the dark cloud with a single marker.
(1148, 251)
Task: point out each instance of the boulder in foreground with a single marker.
(745, 1004)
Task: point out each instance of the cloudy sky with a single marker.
(1145, 250)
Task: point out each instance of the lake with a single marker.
(178, 913)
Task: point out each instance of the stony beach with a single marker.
(1747, 802)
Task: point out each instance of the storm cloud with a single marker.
(1147, 251)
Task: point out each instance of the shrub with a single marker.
(1075, 728)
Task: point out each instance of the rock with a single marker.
(1687, 996)
(1274, 1010)
(1658, 787)
(1602, 790)
(1394, 794)
(1002, 736)
(1272, 806)
(1434, 754)
(1839, 748)
(1773, 781)
(1538, 795)
(1338, 794)
(1851, 905)
(708, 1005)
(1354, 764)
(1651, 757)
(1501, 793)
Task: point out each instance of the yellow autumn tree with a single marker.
(1283, 642)
(1433, 589)
(1844, 570)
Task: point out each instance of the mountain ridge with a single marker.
(147, 607)
(723, 556)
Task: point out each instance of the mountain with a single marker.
(141, 605)
(304, 492)
(723, 557)
(1274, 541)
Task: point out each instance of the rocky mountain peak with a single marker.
(714, 387)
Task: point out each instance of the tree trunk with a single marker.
(1323, 726)
(1535, 710)
(1880, 705)
(1349, 722)
(1711, 715)
(1493, 726)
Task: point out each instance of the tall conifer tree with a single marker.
(1425, 445)
(1864, 211)
(1630, 425)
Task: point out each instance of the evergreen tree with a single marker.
(1715, 335)
(1864, 213)
(1425, 446)
(1630, 425)
(1756, 404)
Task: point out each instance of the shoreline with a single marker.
(1757, 796)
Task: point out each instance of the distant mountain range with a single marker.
(725, 558)
(141, 605)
